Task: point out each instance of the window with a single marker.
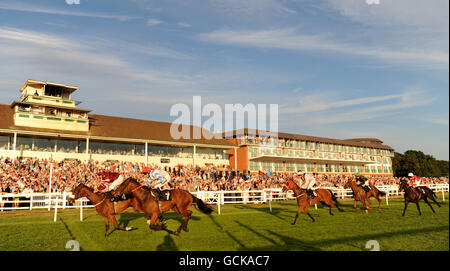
(44, 145)
(5, 142)
(290, 167)
(24, 143)
(254, 166)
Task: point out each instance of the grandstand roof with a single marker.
(118, 127)
(357, 142)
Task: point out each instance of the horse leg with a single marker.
(370, 203)
(116, 226)
(106, 226)
(308, 213)
(365, 206)
(406, 206)
(435, 201)
(330, 210)
(426, 200)
(296, 216)
(187, 215)
(354, 205)
(418, 208)
(379, 204)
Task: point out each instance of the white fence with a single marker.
(57, 201)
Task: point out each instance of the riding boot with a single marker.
(160, 194)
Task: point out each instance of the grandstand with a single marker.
(47, 124)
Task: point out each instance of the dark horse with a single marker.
(416, 194)
(359, 194)
(180, 202)
(103, 205)
(324, 196)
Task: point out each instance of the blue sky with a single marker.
(339, 69)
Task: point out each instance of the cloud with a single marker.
(320, 109)
(35, 9)
(184, 25)
(58, 54)
(251, 7)
(288, 39)
(430, 15)
(153, 22)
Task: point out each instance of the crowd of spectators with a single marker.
(31, 175)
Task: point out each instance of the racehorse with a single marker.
(359, 194)
(180, 201)
(103, 205)
(414, 195)
(324, 196)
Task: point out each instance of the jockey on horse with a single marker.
(161, 178)
(415, 182)
(363, 182)
(110, 181)
(308, 182)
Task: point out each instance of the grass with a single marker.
(238, 228)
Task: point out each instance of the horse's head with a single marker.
(77, 193)
(125, 187)
(348, 183)
(287, 185)
(403, 185)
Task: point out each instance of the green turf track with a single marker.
(239, 227)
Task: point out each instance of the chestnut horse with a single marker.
(103, 205)
(180, 202)
(324, 196)
(359, 194)
(413, 195)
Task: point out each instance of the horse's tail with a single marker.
(202, 206)
(333, 197)
(381, 193)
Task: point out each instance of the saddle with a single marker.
(162, 195)
(118, 198)
(420, 190)
(311, 194)
(365, 188)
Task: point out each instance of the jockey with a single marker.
(362, 181)
(160, 176)
(415, 181)
(110, 181)
(308, 182)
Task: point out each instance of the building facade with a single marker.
(283, 152)
(47, 124)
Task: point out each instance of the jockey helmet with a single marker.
(146, 170)
(357, 174)
(299, 173)
(410, 175)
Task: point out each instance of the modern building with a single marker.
(47, 124)
(283, 152)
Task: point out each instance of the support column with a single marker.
(235, 158)
(15, 145)
(87, 150)
(194, 154)
(146, 154)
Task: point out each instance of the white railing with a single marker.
(30, 201)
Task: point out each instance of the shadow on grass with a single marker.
(69, 231)
(126, 218)
(167, 245)
(291, 243)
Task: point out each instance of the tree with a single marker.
(418, 163)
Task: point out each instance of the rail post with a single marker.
(81, 209)
(56, 210)
(387, 197)
(31, 201)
